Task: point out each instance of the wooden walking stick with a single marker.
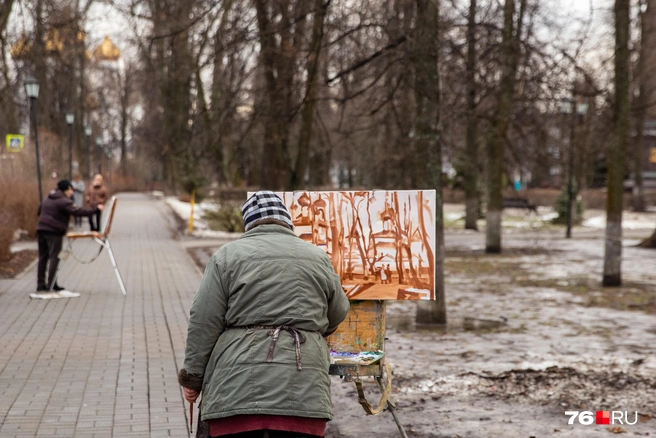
(191, 417)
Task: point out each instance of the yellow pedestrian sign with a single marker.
(15, 142)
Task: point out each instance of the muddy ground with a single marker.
(531, 334)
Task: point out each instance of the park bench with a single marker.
(518, 202)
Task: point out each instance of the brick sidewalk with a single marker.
(101, 365)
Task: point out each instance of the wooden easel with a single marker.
(100, 237)
(364, 330)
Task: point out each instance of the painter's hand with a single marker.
(100, 207)
(190, 395)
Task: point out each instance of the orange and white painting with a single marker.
(381, 243)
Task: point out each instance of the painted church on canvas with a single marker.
(381, 243)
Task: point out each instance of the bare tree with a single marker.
(646, 94)
(7, 105)
(612, 275)
(309, 100)
(470, 174)
(5, 11)
(428, 155)
(495, 153)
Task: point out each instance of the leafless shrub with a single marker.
(226, 218)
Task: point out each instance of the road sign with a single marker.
(15, 142)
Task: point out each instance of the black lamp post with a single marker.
(108, 154)
(566, 108)
(99, 144)
(581, 109)
(32, 91)
(70, 117)
(87, 133)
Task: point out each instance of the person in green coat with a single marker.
(256, 345)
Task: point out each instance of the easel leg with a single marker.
(115, 266)
(392, 408)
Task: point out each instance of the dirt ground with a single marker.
(531, 334)
(18, 263)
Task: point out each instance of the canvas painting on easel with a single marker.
(381, 243)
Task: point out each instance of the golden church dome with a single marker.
(106, 51)
(21, 49)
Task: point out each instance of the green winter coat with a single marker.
(268, 277)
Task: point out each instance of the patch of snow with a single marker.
(630, 221)
(450, 216)
(549, 216)
(201, 228)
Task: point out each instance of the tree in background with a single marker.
(314, 94)
(643, 101)
(512, 32)
(428, 154)
(470, 158)
(612, 275)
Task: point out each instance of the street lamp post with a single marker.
(32, 91)
(87, 132)
(99, 144)
(581, 111)
(70, 117)
(568, 107)
(108, 154)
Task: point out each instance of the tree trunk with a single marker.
(428, 158)
(83, 113)
(37, 55)
(222, 116)
(7, 98)
(173, 65)
(5, 11)
(612, 275)
(427, 173)
(500, 123)
(274, 166)
(307, 113)
(471, 150)
(7, 94)
(643, 100)
(125, 80)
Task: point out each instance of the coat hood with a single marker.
(56, 194)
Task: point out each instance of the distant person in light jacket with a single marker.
(97, 194)
(255, 345)
(78, 196)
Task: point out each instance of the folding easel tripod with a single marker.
(101, 238)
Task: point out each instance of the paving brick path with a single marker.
(101, 365)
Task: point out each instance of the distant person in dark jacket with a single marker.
(97, 194)
(54, 215)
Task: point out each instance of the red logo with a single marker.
(603, 417)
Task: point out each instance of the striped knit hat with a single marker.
(264, 205)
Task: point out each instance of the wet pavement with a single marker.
(103, 364)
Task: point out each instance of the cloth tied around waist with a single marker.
(274, 331)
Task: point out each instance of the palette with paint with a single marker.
(355, 358)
